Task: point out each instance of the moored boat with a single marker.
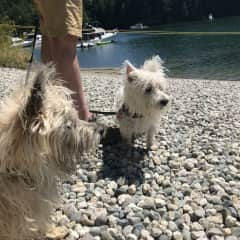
(93, 36)
(105, 42)
(138, 26)
(26, 42)
(17, 42)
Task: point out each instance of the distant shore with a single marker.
(101, 70)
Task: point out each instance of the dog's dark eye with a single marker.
(130, 79)
(148, 89)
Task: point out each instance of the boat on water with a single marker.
(27, 41)
(139, 26)
(93, 36)
(210, 17)
(105, 42)
(17, 42)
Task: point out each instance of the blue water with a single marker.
(186, 56)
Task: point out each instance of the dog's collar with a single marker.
(124, 110)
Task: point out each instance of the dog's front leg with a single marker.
(150, 137)
(126, 132)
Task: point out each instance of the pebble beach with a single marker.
(186, 188)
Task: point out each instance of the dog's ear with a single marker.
(37, 91)
(129, 67)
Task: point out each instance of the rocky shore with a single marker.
(187, 187)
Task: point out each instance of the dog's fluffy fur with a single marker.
(41, 139)
(142, 99)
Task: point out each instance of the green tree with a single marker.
(122, 13)
(20, 11)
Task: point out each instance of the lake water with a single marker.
(200, 52)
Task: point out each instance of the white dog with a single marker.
(142, 99)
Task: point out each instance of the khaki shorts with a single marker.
(59, 18)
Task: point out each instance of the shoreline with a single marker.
(117, 71)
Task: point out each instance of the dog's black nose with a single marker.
(164, 102)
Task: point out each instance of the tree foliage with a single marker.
(21, 12)
(11, 56)
(122, 13)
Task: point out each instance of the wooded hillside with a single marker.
(122, 13)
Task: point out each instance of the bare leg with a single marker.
(46, 53)
(65, 57)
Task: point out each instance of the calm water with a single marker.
(208, 56)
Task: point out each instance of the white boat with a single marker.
(28, 41)
(17, 42)
(210, 17)
(93, 36)
(138, 26)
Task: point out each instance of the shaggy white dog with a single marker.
(41, 140)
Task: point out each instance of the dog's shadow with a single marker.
(121, 162)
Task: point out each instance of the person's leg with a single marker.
(64, 55)
(46, 52)
(58, 20)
